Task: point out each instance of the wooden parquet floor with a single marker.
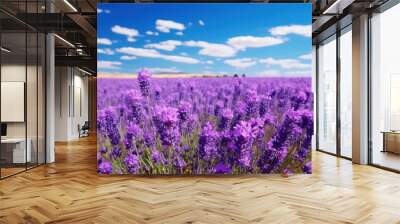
(70, 191)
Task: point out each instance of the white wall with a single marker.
(62, 81)
(71, 93)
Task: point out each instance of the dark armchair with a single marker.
(84, 129)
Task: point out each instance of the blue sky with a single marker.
(255, 39)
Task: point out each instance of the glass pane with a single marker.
(346, 93)
(327, 96)
(314, 86)
(13, 86)
(386, 89)
(31, 97)
(41, 98)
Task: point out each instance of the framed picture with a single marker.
(199, 89)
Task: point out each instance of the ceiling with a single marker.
(332, 15)
(75, 23)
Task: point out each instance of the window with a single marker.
(22, 77)
(327, 96)
(385, 89)
(346, 92)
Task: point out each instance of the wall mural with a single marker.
(188, 89)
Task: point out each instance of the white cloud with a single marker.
(151, 33)
(183, 54)
(108, 64)
(243, 42)
(285, 63)
(101, 11)
(240, 62)
(127, 57)
(182, 59)
(303, 30)
(140, 52)
(209, 62)
(131, 39)
(166, 25)
(213, 50)
(306, 56)
(299, 73)
(107, 51)
(168, 45)
(151, 53)
(270, 72)
(179, 33)
(130, 33)
(104, 41)
(201, 23)
(164, 70)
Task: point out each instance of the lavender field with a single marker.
(170, 126)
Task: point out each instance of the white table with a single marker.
(19, 155)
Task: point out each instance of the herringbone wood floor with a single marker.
(70, 191)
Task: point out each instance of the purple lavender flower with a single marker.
(287, 172)
(269, 120)
(218, 107)
(179, 162)
(115, 152)
(236, 93)
(184, 110)
(192, 123)
(240, 112)
(121, 109)
(114, 137)
(157, 92)
(220, 168)
(132, 163)
(307, 168)
(299, 99)
(104, 167)
(103, 149)
(264, 105)
(243, 138)
(306, 123)
(156, 156)
(133, 101)
(99, 158)
(251, 103)
(148, 139)
(204, 125)
(107, 125)
(226, 118)
(208, 142)
(166, 122)
(277, 148)
(133, 133)
(257, 128)
(144, 76)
